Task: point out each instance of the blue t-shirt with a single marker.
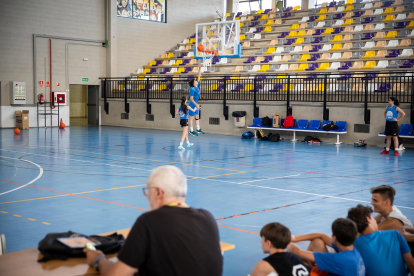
(392, 113)
(382, 253)
(182, 114)
(195, 93)
(347, 263)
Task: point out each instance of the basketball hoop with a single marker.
(208, 57)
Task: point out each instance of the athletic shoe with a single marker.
(181, 148)
(385, 152)
(200, 131)
(193, 133)
(190, 145)
(396, 153)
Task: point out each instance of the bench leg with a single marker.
(337, 140)
(294, 137)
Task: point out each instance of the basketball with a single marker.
(200, 48)
(16, 131)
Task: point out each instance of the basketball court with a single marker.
(90, 179)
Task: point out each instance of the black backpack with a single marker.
(266, 122)
(274, 137)
(53, 249)
(330, 126)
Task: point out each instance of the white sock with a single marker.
(188, 142)
(388, 149)
(198, 127)
(396, 149)
(191, 129)
(181, 144)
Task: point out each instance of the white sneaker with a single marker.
(189, 145)
(181, 148)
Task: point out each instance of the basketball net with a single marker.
(207, 58)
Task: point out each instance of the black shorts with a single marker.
(183, 122)
(391, 128)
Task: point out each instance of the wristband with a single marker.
(96, 262)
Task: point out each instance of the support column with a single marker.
(304, 5)
(112, 50)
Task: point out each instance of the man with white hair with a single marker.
(171, 239)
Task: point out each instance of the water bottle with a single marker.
(285, 139)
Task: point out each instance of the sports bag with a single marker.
(330, 126)
(266, 122)
(274, 137)
(247, 135)
(53, 249)
(289, 122)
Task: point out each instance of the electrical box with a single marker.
(18, 92)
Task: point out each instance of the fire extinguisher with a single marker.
(40, 98)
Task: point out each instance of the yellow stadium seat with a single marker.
(212, 88)
(152, 63)
(192, 41)
(336, 47)
(369, 65)
(391, 34)
(147, 70)
(237, 18)
(302, 67)
(259, 12)
(321, 18)
(180, 70)
(369, 54)
(302, 33)
(210, 33)
(320, 88)
(264, 68)
(247, 88)
(328, 31)
(411, 25)
(388, 10)
(337, 38)
(323, 66)
(269, 51)
(296, 8)
(242, 37)
(285, 88)
(298, 41)
(322, 11)
(269, 22)
(348, 22)
(294, 27)
(267, 29)
(162, 87)
(264, 16)
(292, 34)
(349, 2)
(170, 55)
(121, 86)
(349, 8)
(234, 77)
(389, 17)
(241, 25)
(304, 57)
(178, 62)
(227, 14)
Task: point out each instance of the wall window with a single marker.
(151, 10)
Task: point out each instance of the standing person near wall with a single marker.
(194, 96)
(182, 111)
(391, 125)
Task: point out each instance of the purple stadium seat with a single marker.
(317, 40)
(370, 76)
(267, 59)
(384, 87)
(312, 18)
(316, 48)
(219, 88)
(256, 17)
(346, 65)
(258, 30)
(288, 9)
(290, 41)
(277, 87)
(318, 32)
(310, 77)
(254, 24)
(187, 70)
(183, 54)
(408, 63)
(286, 15)
(368, 36)
(358, 14)
(313, 67)
(314, 57)
(367, 20)
(339, 15)
(344, 77)
(185, 62)
(238, 88)
(152, 71)
(338, 30)
(214, 61)
(158, 62)
(261, 77)
(386, 4)
(250, 60)
(283, 34)
(258, 87)
(393, 54)
(239, 14)
(267, 11)
(401, 25)
(332, 4)
(166, 70)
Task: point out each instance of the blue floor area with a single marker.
(90, 180)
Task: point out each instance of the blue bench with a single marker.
(406, 131)
(302, 126)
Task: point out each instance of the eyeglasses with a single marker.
(146, 190)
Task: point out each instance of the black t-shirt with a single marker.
(174, 241)
(287, 264)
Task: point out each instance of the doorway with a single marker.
(84, 105)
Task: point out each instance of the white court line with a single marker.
(299, 192)
(39, 176)
(268, 178)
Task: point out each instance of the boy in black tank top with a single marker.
(275, 238)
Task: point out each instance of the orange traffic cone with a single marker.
(62, 125)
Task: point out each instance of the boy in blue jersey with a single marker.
(182, 110)
(194, 96)
(384, 252)
(346, 262)
(391, 125)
